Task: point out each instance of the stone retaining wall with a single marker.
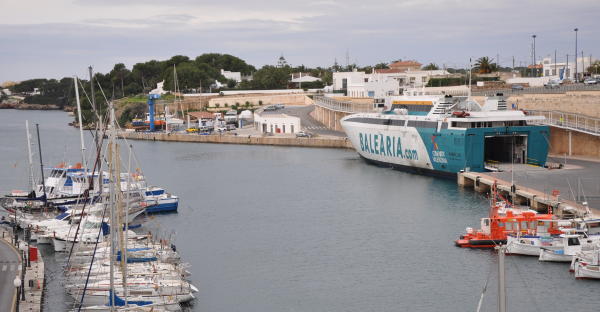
(230, 139)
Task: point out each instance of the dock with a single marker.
(33, 283)
(543, 196)
(275, 140)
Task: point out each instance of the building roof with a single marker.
(202, 115)
(389, 71)
(306, 78)
(405, 64)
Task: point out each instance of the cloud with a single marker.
(62, 37)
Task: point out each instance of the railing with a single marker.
(569, 121)
(508, 91)
(343, 106)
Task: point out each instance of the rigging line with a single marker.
(487, 280)
(526, 286)
(86, 194)
(92, 261)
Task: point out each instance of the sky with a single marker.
(58, 38)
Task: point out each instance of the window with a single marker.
(292, 128)
(547, 72)
(424, 79)
(283, 128)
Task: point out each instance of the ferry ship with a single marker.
(444, 134)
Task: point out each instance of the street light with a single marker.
(17, 284)
(534, 65)
(576, 76)
(23, 247)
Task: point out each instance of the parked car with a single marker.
(591, 81)
(517, 87)
(304, 134)
(279, 106)
(270, 108)
(552, 84)
(191, 130)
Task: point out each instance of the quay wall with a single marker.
(254, 100)
(328, 117)
(333, 142)
(578, 102)
(573, 143)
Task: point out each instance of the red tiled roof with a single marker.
(202, 115)
(405, 63)
(389, 71)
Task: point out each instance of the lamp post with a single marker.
(576, 74)
(23, 247)
(534, 65)
(17, 284)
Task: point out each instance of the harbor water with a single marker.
(304, 229)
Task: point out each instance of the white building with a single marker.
(237, 76)
(276, 123)
(378, 84)
(564, 70)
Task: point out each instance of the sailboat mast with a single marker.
(83, 158)
(30, 156)
(114, 179)
(124, 254)
(37, 126)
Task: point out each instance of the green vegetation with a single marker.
(431, 66)
(484, 65)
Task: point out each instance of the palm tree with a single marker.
(484, 65)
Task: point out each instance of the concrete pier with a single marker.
(537, 200)
(33, 283)
(335, 142)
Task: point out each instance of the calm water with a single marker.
(298, 229)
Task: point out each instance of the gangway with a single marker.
(567, 121)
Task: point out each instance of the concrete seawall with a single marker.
(230, 139)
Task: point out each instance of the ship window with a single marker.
(501, 224)
(523, 224)
(509, 226)
(486, 222)
(532, 225)
(573, 241)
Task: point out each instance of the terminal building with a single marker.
(276, 123)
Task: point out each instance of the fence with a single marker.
(570, 121)
(343, 106)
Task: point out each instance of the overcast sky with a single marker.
(57, 38)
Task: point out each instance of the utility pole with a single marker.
(567, 71)
(501, 279)
(582, 64)
(555, 72)
(513, 66)
(576, 78)
(534, 64)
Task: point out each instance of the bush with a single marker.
(445, 82)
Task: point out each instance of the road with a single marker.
(307, 121)
(9, 264)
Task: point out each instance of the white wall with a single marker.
(286, 124)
